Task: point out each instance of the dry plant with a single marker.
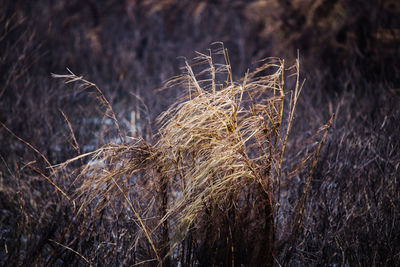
(350, 53)
(203, 191)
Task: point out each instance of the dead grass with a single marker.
(346, 212)
(204, 189)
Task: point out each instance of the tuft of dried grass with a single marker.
(204, 189)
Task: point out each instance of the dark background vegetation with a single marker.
(349, 54)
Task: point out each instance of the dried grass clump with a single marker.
(203, 191)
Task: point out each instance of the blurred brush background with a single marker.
(349, 54)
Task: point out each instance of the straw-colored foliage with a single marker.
(205, 185)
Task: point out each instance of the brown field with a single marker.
(199, 133)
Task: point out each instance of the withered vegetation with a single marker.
(204, 190)
(215, 168)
